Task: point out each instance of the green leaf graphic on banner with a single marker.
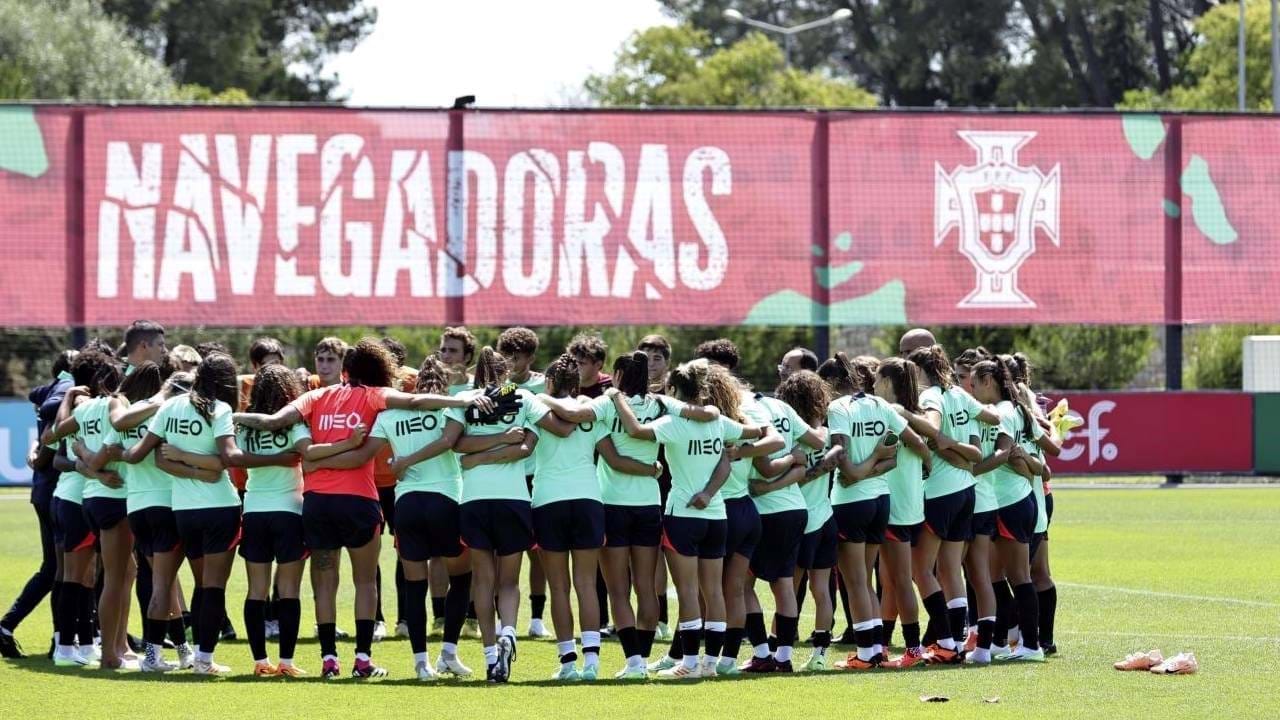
(1171, 209)
(817, 250)
(21, 144)
(833, 276)
(887, 305)
(1144, 133)
(844, 241)
(1206, 204)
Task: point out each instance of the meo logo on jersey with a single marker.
(997, 205)
(338, 421)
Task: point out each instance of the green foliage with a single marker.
(272, 49)
(1065, 357)
(71, 50)
(199, 94)
(1215, 356)
(669, 66)
(1211, 66)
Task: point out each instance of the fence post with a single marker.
(456, 218)
(821, 221)
(1173, 264)
(75, 240)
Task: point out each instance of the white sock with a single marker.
(566, 647)
(1014, 635)
(286, 662)
(635, 662)
(946, 643)
(327, 658)
(449, 649)
(204, 657)
(980, 655)
(690, 662)
(363, 657)
(820, 651)
(490, 654)
(761, 651)
(865, 653)
(509, 631)
(784, 653)
(420, 658)
(590, 659)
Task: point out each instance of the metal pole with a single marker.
(1240, 77)
(1173, 267)
(1275, 56)
(786, 48)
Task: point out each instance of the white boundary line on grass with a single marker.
(1172, 596)
(1177, 636)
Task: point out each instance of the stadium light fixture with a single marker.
(787, 33)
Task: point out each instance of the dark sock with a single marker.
(1028, 614)
(733, 642)
(328, 636)
(886, 632)
(255, 612)
(437, 606)
(1013, 606)
(773, 643)
(142, 586)
(972, 596)
(289, 615)
(602, 597)
(364, 636)
(986, 628)
(455, 606)
(153, 631)
(788, 629)
(67, 607)
(821, 638)
(1048, 600)
(471, 610)
(755, 629)
(177, 630)
(630, 641)
(86, 628)
(936, 606)
(193, 621)
(957, 618)
(537, 603)
(272, 612)
(691, 642)
(715, 642)
(645, 647)
(415, 614)
(911, 635)
(801, 592)
(400, 597)
(664, 606)
(676, 651)
(213, 610)
(1004, 606)
(865, 639)
(377, 583)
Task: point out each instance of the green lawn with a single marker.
(1192, 569)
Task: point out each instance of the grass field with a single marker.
(1188, 569)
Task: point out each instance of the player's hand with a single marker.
(111, 479)
(483, 403)
(699, 501)
(398, 466)
(170, 453)
(358, 434)
(611, 392)
(884, 452)
(657, 469)
(732, 452)
(513, 436)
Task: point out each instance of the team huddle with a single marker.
(877, 481)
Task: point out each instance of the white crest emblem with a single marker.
(997, 206)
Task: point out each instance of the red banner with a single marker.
(1158, 432)
(247, 216)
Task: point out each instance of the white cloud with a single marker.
(505, 52)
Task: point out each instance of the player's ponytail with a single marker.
(433, 377)
(142, 383)
(631, 373)
(901, 374)
(1006, 371)
(562, 376)
(933, 362)
(838, 375)
(491, 368)
(864, 372)
(215, 380)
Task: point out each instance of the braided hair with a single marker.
(274, 386)
(215, 380)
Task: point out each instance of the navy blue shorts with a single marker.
(903, 533)
(632, 525)
(983, 525)
(742, 532)
(104, 513)
(1037, 539)
(950, 517)
(208, 531)
(569, 525)
(272, 537)
(702, 538)
(818, 548)
(502, 527)
(428, 526)
(1017, 522)
(333, 521)
(863, 521)
(155, 530)
(780, 536)
(1048, 506)
(70, 530)
(387, 501)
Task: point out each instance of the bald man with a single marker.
(913, 339)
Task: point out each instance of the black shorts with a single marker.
(428, 526)
(775, 556)
(983, 525)
(1048, 506)
(503, 527)
(664, 480)
(1017, 522)
(387, 501)
(818, 548)
(208, 531)
(569, 525)
(70, 530)
(702, 538)
(903, 533)
(632, 525)
(155, 530)
(332, 521)
(272, 537)
(104, 513)
(863, 521)
(1037, 539)
(742, 530)
(950, 517)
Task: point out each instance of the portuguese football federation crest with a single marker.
(997, 205)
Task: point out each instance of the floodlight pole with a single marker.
(1240, 72)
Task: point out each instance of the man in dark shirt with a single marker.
(589, 352)
(46, 400)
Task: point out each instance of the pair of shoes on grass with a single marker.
(1183, 663)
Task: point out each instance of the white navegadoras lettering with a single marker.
(997, 205)
(204, 213)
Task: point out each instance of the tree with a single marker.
(271, 49)
(71, 50)
(682, 66)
